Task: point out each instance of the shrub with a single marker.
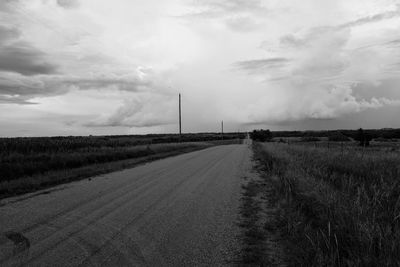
(310, 139)
(363, 138)
(338, 137)
(261, 135)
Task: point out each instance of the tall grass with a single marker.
(338, 207)
(29, 164)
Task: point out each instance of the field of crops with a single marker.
(336, 204)
(37, 159)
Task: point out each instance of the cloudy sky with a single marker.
(79, 67)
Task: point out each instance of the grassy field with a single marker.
(333, 204)
(29, 164)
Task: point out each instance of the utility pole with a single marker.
(222, 129)
(180, 117)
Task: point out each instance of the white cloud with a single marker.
(140, 110)
(325, 64)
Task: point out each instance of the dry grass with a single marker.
(85, 165)
(338, 207)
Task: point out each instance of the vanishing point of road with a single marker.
(179, 211)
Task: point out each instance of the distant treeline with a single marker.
(372, 133)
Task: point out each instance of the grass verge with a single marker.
(258, 212)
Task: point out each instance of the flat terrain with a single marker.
(172, 212)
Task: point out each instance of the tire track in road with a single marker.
(150, 207)
(122, 202)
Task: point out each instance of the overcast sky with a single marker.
(79, 67)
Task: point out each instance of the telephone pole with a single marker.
(180, 117)
(222, 129)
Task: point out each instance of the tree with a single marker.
(261, 135)
(363, 137)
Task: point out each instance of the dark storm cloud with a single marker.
(20, 89)
(121, 122)
(256, 65)
(25, 73)
(5, 5)
(14, 100)
(24, 59)
(132, 84)
(68, 3)
(7, 34)
(394, 43)
(233, 6)
(291, 40)
(20, 62)
(372, 19)
(21, 57)
(238, 15)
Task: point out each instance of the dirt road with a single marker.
(180, 211)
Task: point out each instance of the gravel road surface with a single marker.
(179, 211)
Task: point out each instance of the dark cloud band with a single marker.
(261, 64)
